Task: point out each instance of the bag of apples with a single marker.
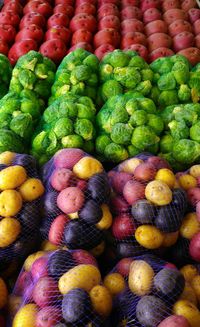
(60, 288)
(76, 212)
(148, 206)
(150, 292)
(20, 204)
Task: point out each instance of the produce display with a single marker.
(3, 301)
(61, 288)
(5, 74)
(76, 211)
(20, 205)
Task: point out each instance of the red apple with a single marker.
(107, 36)
(182, 41)
(131, 25)
(13, 6)
(32, 18)
(159, 40)
(151, 14)
(158, 26)
(82, 45)
(192, 54)
(140, 49)
(186, 5)
(179, 26)
(65, 2)
(110, 21)
(123, 227)
(54, 49)
(81, 36)
(160, 52)
(30, 32)
(63, 9)
(58, 32)
(83, 21)
(20, 48)
(107, 10)
(194, 247)
(132, 38)
(9, 18)
(197, 27)
(147, 4)
(170, 4)
(7, 33)
(86, 8)
(39, 6)
(131, 12)
(174, 14)
(194, 14)
(58, 19)
(126, 3)
(197, 41)
(101, 51)
(123, 266)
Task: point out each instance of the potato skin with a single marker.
(140, 277)
(149, 236)
(189, 311)
(174, 321)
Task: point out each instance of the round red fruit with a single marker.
(107, 36)
(147, 4)
(131, 12)
(182, 41)
(174, 14)
(54, 49)
(20, 48)
(132, 38)
(9, 18)
(64, 2)
(81, 36)
(32, 18)
(85, 8)
(151, 15)
(170, 4)
(179, 26)
(58, 19)
(83, 21)
(13, 6)
(132, 25)
(7, 33)
(107, 10)
(194, 14)
(58, 32)
(62, 9)
(126, 3)
(30, 32)
(39, 6)
(194, 247)
(110, 21)
(192, 54)
(159, 40)
(158, 26)
(197, 27)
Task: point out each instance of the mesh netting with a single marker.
(20, 205)
(60, 288)
(76, 211)
(148, 206)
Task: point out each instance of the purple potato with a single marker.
(50, 204)
(91, 213)
(29, 216)
(99, 189)
(129, 249)
(144, 212)
(59, 262)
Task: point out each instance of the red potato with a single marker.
(86, 8)
(107, 36)
(133, 38)
(58, 32)
(158, 162)
(9, 18)
(123, 266)
(39, 268)
(186, 5)
(81, 35)
(64, 2)
(131, 12)
(151, 15)
(70, 200)
(110, 21)
(58, 20)
(160, 52)
(79, 2)
(32, 18)
(174, 321)
(39, 6)
(57, 229)
(198, 210)
(101, 51)
(67, 158)
(123, 227)
(182, 41)
(133, 191)
(126, 3)
(54, 49)
(140, 49)
(194, 248)
(194, 14)
(83, 257)
(193, 195)
(170, 4)
(159, 40)
(132, 25)
(196, 27)
(179, 26)
(107, 10)
(197, 41)
(158, 26)
(62, 9)
(23, 281)
(147, 4)
(82, 45)
(192, 54)
(145, 172)
(80, 21)
(7, 33)
(103, 2)
(43, 290)
(13, 6)
(48, 316)
(20, 48)
(30, 32)
(119, 204)
(174, 14)
(61, 178)
(119, 180)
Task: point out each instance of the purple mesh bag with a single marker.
(76, 212)
(20, 209)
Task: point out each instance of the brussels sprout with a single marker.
(144, 87)
(41, 71)
(147, 74)
(129, 77)
(180, 71)
(147, 105)
(92, 62)
(118, 115)
(139, 117)
(166, 143)
(27, 79)
(121, 133)
(195, 132)
(131, 106)
(156, 123)
(72, 141)
(133, 151)
(189, 116)
(85, 112)
(138, 62)
(63, 127)
(84, 128)
(106, 72)
(29, 60)
(22, 125)
(186, 151)
(110, 88)
(9, 141)
(144, 136)
(184, 93)
(167, 114)
(15, 86)
(40, 142)
(9, 103)
(178, 129)
(49, 64)
(154, 94)
(162, 65)
(3, 90)
(101, 142)
(79, 74)
(167, 82)
(42, 89)
(78, 89)
(168, 98)
(93, 80)
(115, 152)
(153, 148)
(62, 77)
(118, 58)
(194, 107)
(117, 101)
(31, 107)
(5, 120)
(103, 119)
(88, 146)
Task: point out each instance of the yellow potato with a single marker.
(48, 246)
(195, 171)
(87, 167)
(190, 226)
(158, 193)
(189, 311)
(129, 165)
(101, 300)
(167, 176)
(187, 181)
(10, 229)
(10, 203)
(189, 272)
(7, 157)
(115, 283)
(189, 294)
(98, 250)
(106, 220)
(31, 189)
(12, 177)
(149, 236)
(196, 286)
(170, 239)
(140, 277)
(3, 293)
(81, 276)
(31, 259)
(73, 215)
(26, 316)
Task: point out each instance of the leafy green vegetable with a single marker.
(143, 137)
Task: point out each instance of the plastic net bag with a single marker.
(150, 292)
(60, 288)
(76, 211)
(20, 204)
(147, 204)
